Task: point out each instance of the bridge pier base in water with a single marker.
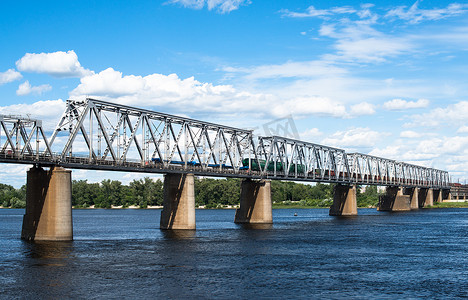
(179, 202)
(344, 201)
(48, 215)
(394, 200)
(255, 203)
(426, 197)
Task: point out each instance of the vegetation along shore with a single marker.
(209, 193)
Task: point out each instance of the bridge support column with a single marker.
(255, 203)
(48, 215)
(446, 195)
(426, 197)
(344, 201)
(394, 200)
(437, 195)
(414, 194)
(179, 202)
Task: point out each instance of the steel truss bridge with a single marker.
(94, 134)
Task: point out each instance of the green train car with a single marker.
(271, 166)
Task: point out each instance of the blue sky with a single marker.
(387, 78)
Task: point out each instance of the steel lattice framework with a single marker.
(368, 169)
(23, 138)
(111, 134)
(289, 158)
(94, 134)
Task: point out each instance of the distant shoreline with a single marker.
(275, 206)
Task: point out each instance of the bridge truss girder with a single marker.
(293, 159)
(94, 134)
(22, 137)
(117, 134)
(368, 169)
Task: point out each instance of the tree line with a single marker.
(210, 193)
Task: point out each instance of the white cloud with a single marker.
(191, 96)
(399, 104)
(9, 76)
(222, 6)
(306, 106)
(49, 111)
(374, 49)
(453, 114)
(13, 174)
(310, 135)
(290, 69)
(57, 64)
(416, 15)
(362, 109)
(463, 129)
(312, 12)
(410, 134)
(25, 88)
(354, 138)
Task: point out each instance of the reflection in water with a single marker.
(49, 266)
(179, 234)
(48, 249)
(256, 226)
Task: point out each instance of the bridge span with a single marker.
(98, 135)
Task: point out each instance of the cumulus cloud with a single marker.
(9, 76)
(453, 114)
(57, 64)
(191, 96)
(399, 104)
(49, 111)
(222, 6)
(354, 138)
(25, 89)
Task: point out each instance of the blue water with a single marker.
(122, 254)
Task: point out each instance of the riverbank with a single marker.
(275, 206)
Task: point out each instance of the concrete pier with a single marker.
(438, 195)
(414, 194)
(179, 202)
(255, 203)
(48, 215)
(426, 197)
(394, 200)
(446, 195)
(344, 201)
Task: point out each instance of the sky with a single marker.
(386, 78)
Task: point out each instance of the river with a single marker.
(122, 254)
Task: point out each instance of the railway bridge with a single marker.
(98, 135)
